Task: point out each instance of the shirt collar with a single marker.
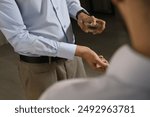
(130, 67)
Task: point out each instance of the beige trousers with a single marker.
(37, 77)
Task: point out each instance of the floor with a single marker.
(113, 37)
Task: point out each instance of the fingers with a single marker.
(103, 24)
(101, 63)
(82, 26)
(92, 25)
(83, 23)
(93, 21)
(97, 26)
(95, 61)
(101, 69)
(103, 59)
(101, 27)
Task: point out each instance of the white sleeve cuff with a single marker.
(66, 50)
(74, 10)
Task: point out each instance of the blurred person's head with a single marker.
(136, 14)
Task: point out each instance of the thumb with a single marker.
(94, 20)
(101, 63)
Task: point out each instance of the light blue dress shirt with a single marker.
(39, 27)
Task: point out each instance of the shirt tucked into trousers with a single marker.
(42, 28)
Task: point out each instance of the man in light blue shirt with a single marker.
(40, 32)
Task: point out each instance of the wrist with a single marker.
(81, 50)
(81, 14)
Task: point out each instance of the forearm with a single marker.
(40, 46)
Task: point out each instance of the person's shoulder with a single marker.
(63, 88)
(88, 88)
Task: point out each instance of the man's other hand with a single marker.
(90, 24)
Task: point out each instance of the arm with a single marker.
(84, 52)
(14, 29)
(74, 7)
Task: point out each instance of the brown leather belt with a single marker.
(41, 59)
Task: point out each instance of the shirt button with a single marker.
(57, 8)
(64, 26)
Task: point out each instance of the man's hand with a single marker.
(95, 61)
(90, 24)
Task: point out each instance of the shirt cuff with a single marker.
(66, 50)
(75, 10)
